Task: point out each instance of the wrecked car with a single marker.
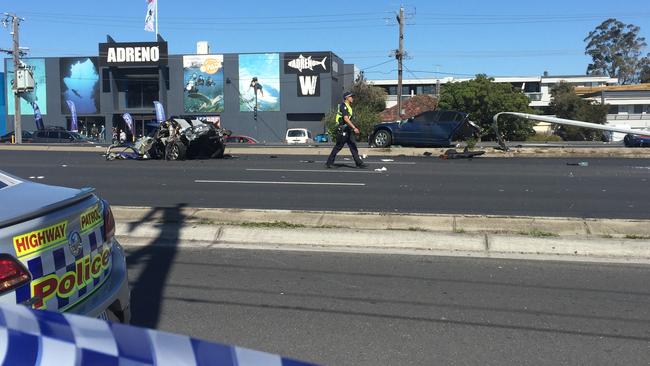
(176, 139)
(631, 140)
(432, 128)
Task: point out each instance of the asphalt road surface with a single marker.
(606, 188)
(361, 309)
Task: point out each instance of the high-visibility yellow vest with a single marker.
(339, 116)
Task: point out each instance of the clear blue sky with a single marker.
(500, 38)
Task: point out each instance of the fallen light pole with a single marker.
(561, 121)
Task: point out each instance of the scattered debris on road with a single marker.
(466, 154)
(582, 163)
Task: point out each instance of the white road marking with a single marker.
(313, 171)
(379, 162)
(285, 183)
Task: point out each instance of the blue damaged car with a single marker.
(432, 128)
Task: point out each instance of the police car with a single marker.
(58, 251)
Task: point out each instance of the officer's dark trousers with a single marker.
(352, 144)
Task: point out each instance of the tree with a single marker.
(616, 50)
(482, 98)
(568, 105)
(645, 72)
(369, 101)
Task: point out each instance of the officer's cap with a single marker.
(347, 94)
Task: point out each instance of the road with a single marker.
(360, 309)
(607, 188)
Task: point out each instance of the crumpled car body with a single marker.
(432, 128)
(179, 139)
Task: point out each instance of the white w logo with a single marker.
(308, 84)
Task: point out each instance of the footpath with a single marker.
(537, 151)
(600, 240)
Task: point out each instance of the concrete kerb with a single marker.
(464, 235)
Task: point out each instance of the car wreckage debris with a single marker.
(466, 154)
(175, 139)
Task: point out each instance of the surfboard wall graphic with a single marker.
(259, 82)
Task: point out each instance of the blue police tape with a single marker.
(34, 337)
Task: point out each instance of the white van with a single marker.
(299, 136)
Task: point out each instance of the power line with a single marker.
(210, 19)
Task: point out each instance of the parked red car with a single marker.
(238, 139)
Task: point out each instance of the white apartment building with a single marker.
(629, 104)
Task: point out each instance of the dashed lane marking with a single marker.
(277, 182)
(314, 171)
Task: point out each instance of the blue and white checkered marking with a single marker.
(59, 261)
(43, 338)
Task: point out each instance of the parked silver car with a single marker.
(58, 136)
(58, 251)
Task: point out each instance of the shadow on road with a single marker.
(147, 290)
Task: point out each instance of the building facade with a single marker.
(3, 106)
(256, 94)
(536, 88)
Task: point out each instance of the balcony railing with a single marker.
(628, 117)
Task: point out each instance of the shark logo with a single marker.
(306, 63)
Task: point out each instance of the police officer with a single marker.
(345, 132)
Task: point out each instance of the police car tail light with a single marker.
(12, 273)
(109, 222)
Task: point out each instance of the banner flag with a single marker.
(73, 111)
(160, 111)
(38, 118)
(149, 18)
(129, 122)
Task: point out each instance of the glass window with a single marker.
(296, 133)
(450, 116)
(392, 90)
(141, 93)
(638, 108)
(532, 87)
(427, 117)
(52, 134)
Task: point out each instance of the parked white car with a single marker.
(299, 136)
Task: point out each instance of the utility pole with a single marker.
(18, 129)
(437, 83)
(16, 53)
(399, 55)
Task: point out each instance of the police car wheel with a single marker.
(382, 138)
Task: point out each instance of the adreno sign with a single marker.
(133, 54)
